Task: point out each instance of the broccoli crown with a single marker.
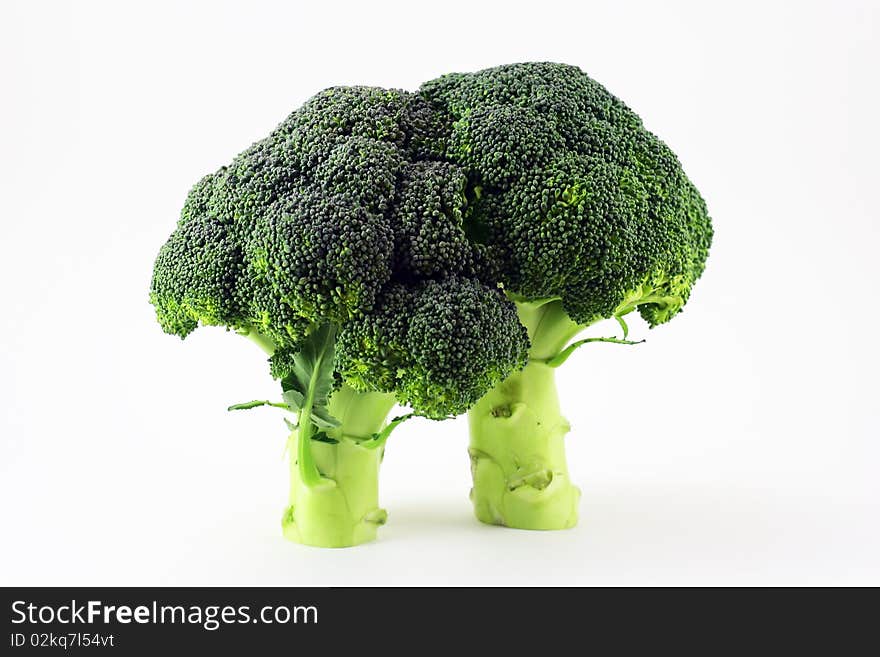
(573, 196)
(344, 211)
(395, 216)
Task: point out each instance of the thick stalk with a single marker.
(518, 456)
(337, 506)
(517, 451)
(342, 508)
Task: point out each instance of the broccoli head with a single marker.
(585, 215)
(338, 244)
(582, 203)
(326, 221)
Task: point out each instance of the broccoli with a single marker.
(441, 249)
(338, 245)
(583, 215)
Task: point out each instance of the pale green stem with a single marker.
(264, 342)
(342, 508)
(517, 431)
(518, 456)
(334, 487)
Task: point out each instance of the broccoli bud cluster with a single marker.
(345, 214)
(397, 216)
(580, 200)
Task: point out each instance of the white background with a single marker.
(739, 445)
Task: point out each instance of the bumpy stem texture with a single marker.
(518, 456)
(342, 508)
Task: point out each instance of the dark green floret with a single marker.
(336, 243)
(438, 346)
(581, 201)
(195, 277)
(308, 226)
(428, 219)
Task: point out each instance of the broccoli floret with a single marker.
(587, 216)
(428, 219)
(437, 345)
(582, 202)
(344, 224)
(195, 276)
(326, 257)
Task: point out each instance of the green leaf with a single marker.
(312, 366)
(256, 403)
(294, 399)
(308, 385)
(291, 426)
(322, 419)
